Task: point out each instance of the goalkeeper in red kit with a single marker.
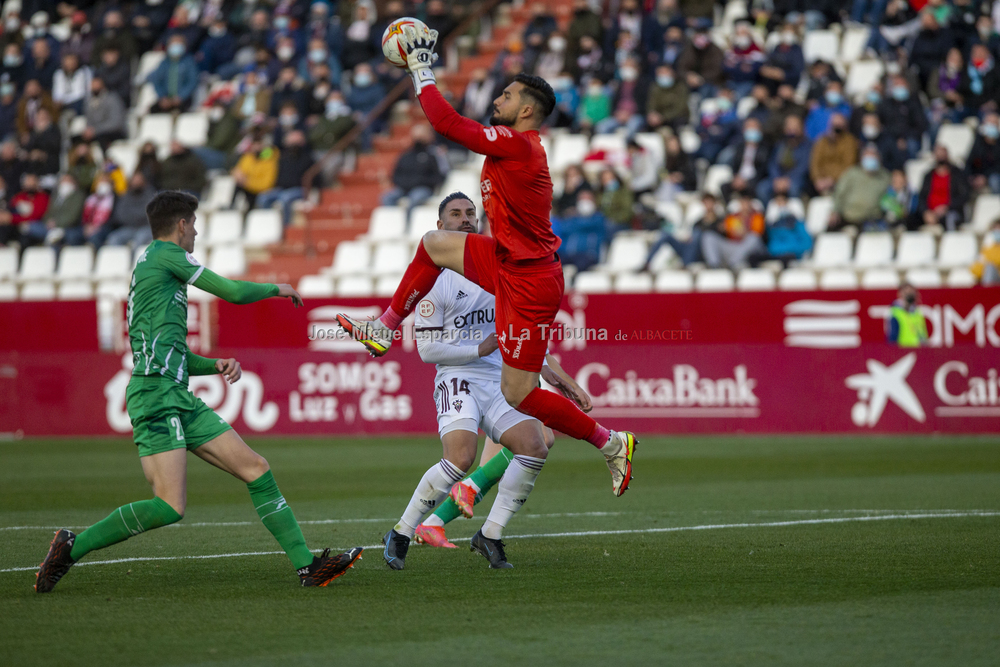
(519, 265)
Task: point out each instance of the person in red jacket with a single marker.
(29, 205)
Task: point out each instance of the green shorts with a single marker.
(166, 416)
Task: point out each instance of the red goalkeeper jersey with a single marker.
(515, 183)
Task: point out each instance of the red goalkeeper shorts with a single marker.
(527, 300)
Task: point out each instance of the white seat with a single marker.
(958, 249)
(263, 227)
(391, 257)
(755, 280)
(838, 279)
(76, 290)
(146, 99)
(959, 277)
(652, 142)
(694, 212)
(734, 11)
(75, 262)
(156, 127)
(609, 143)
(386, 285)
(957, 138)
(818, 215)
(717, 176)
(986, 210)
(626, 254)
(662, 259)
(853, 44)
(38, 290)
(880, 279)
(228, 260)
(690, 141)
(116, 290)
(924, 278)
(224, 227)
(8, 263)
(797, 279)
(821, 45)
(192, 128)
(916, 169)
(316, 287)
(873, 249)
(466, 182)
(220, 193)
(149, 61)
(38, 263)
(745, 106)
(915, 249)
(351, 257)
(670, 211)
(387, 223)
(77, 126)
(113, 262)
(795, 208)
(714, 280)
(832, 249)
(592, 282)
(423, 219)
(125, 155)
(674, 281)
(354, 286)
(862, 76)
(8, 291)
(633, 283)
(567, 150)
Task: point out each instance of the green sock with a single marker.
(486, 476)
(123, 523)
(278, 518)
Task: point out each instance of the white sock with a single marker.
(614, 445)
(472, 485)
(513, 490)
(431, 490)
(434, 520)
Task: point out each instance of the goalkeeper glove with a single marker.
(420, 55)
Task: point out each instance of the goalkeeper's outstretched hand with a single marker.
(420, 55)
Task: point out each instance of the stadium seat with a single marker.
(567, 149)
(957, 138)
(714, 280)
(755, 280)
(653, 142)
(391, 257)
(818, 215)
(633, 283)
(853, 43)
(745, 106)
(733, 12)
(386, 285)
(224, 227)
(263, 227)
(838, 279)
(146, 99)
(873, 249)
(113, 262)
(387, 223)
(674, 281)
(316, 287)
(423, 219)
(76, 290)
(351, 257)
(690, 141)
(38, 263)
(77, 126)
(916, 169)
(611, 144)
(465, 181)
(592, 282)
(832, 249)
(156, 127)
(8, 291)
(626, 254)
(192, 128)
(8, 263)
(694, 212)
(671, 212)
(862, 76)
(354, 286)
(958, 249)
(915, 249)
(986, 210)
(795, 207)
(797, 279)
(959, 277)
(228, 260)
(821, 45)
(38, 290)
(717, 176)
(661, 260)
(75, 262)
(924, 278)
(149, 61)
(125, 154)
(116, 290)
(880, 279)
(220, 193)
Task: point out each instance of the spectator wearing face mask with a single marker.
(97, 212)
(787, 237)
(818, 120)
(642, 168)
(789, 163)
(13, 63)
(551, 60)
(116, 74)
(82, 165)
(358, 46)
(175, 79)
(182, 170)
(944, 193)
(181, 25)
(289, 120)
(820, 75)
(293, 164)
(537, 30)
(105, 112)
(574, 182)
(8, 106)
(979, 84)
(224, 134)
(288, 89)
(899, 203)
(149, 163)
(781, 106)
(334, 125)
(930, 46)
(253, 97)
(701, 64)
(983, 163)
(417, 172)
(748, 159)
(655, 25)
(128, 218)
(615, 202)
(857, 197)
(477, 101)
(905, 326)
(595, 106)
(149, 20)
(585, 23)
(365, 95)
(786, 62)
(28, 206)
(947, 103)
(71, 84)
(986, 268)
(256, 171)
(217, 49)
(688, 251)
(43, 146)
(33, 100)
(674, 42)
(590, 63)
(864, 104)
(567, 102)
(583, 231)
(742, 61)
(832, 154)
(113, 35)
(628, 102)
(41, 64)
(871, 132)
(717, 127)
(625, 30)
(903, 116)
(61, 223)
(667, 100)
(318, 53)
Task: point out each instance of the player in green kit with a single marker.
(168, 420)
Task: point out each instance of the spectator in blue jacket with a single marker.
(718, 126)
(217, 49)
(785, 63)
(833, 102)
(789, 165)
(319, 54)
(583, 233)
(175, 79)
(365, 95)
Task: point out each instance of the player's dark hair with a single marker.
(167, 208)
(539, 90)
(450, 198)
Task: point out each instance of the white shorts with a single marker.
(468, 404)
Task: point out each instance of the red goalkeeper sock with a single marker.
(418, 280)
(561, 414)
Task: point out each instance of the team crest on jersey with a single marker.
(457, 404)
(426, 308)
(190, 258)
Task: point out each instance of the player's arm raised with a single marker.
(242, 291)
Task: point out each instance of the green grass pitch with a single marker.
(725, 551)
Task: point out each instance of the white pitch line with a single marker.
(586, 533)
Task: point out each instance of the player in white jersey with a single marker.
(455, 330)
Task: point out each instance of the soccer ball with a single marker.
(392, 45)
